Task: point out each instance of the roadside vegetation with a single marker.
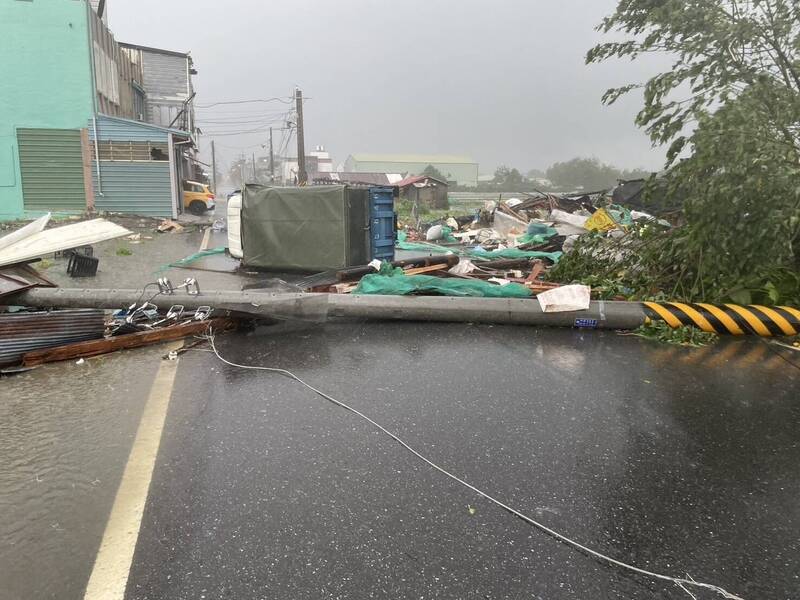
(728, 110)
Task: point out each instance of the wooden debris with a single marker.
(131, 340)
(428, 269)
(170, 225)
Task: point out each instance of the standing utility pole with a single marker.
(255, 177)
(214, 166)
(271, 159)
(302, 174)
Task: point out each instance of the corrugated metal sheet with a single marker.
(117, 129)
(23, 332)
(52, 169)
(140, 188)
(16, 278)
(165, 76)
(60, 238)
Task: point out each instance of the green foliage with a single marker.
(656, 263)
(728, 108)
(431, 171)
(123, 251)
(685, 335)
(506, 177)
(589, 174)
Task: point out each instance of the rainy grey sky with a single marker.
(503, 81)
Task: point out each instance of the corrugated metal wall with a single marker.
(139, 188)
(136, 187)
(165, 75)
(125, 131)
(52, 169)
(166, 85)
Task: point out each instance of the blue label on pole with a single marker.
(586, 323)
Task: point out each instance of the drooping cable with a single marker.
(683, 583)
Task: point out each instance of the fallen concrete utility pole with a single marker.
(727, 319)
(318, 307)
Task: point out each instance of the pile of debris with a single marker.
(30, 337)
(504, 249)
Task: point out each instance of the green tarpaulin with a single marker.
(313, 228)
(403, 285)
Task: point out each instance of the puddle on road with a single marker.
(65, 433)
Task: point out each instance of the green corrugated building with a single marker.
(458, 170)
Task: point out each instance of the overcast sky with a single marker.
(503, 81)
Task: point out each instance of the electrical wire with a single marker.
(770, 345)
(256, 100)
(683, 583)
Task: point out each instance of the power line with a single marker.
(254, 101)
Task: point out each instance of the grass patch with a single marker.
(685, 335)
(122, 251)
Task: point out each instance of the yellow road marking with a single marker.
(751, 319)
(114, 558)
(723, 318)
(785, 326)
(671, 319)
(695, 316)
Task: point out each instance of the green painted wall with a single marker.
(45, 79)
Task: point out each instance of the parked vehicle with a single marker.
(197, 197)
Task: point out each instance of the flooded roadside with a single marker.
(65, 434)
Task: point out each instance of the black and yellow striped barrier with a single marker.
(728, 318)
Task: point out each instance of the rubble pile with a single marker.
(504, 249)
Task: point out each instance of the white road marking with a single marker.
(114, 558)
(206, 239)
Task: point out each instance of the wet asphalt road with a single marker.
(680, 461)
(677, 460)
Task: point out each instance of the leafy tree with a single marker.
(729, 110)
(507, 177)
(431, 171)
(587, 173)
(536, 174)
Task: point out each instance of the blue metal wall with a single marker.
(139, 188)
(134, 187)
(124, 130)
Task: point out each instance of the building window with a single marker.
(133, 151)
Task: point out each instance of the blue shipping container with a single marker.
(382, 223)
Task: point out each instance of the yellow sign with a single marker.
(600, 221)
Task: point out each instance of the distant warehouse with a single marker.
(458, 170)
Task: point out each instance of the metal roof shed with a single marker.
(136, 167)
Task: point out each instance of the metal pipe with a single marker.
(601, 315)
(97, 157)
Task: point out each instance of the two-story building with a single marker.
(83, 118)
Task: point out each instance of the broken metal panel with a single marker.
(24, 232)
(23, 332)
(61, 238)
(17, 278)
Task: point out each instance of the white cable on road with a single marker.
(683, 583)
